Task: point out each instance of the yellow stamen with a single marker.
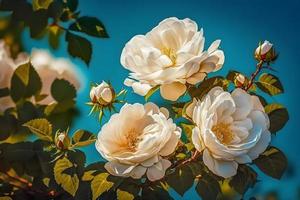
(223, 133)
(171, 53)
(132, 139)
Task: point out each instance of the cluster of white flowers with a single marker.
(48, 67)
(230, 128)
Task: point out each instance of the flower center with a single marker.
(132, 139)
(171, 53)
(223, 133)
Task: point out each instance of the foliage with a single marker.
(47, 19)
(50, 164)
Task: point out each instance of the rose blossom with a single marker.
(170, 56)
(230, 129)
(137, 140)
(103, 93)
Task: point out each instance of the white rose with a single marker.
(170, 55)
(7, 67)
(102, 93)
(49, 68)
(230, 129)
(264, 48)
(136, 140)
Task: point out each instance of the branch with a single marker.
(259, 67)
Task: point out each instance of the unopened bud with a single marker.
(265, 52)
(103, 94)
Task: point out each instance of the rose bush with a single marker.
(170, 56)
(137, 140)
(231, 129)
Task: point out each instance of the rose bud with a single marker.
(62, 140)
(102, 94)
(240, 80)
(265, 52)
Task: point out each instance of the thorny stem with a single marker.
(259, 67)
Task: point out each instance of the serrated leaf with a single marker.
(69, 183)
(272, 162)
(270, 84)
(82, 138)
(244, 179)
(208, 187)
(278, 119)
(54, 36)
(79, 47)
(88, 175)
(206, 85)
(124, 195)
(181, 180)
(100, 184)
(62, 90)
(38, 22)
(41, 128)
(25, 82)
(273, 106)
(89, 25)
(151, 92)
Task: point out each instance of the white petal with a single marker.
(150, 161)
(257, 104)
(243, 159)
(117, 169)
(172, 91)
(196, 78)
(170, 146)
(141, 88)
(197, 139)
(190, 108)
(221, 168)
(214, 46)
(106, 95)
(244, 104)
(138, 172)
(164, 111)
(157, 171)
(261, 145)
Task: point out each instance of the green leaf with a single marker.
(72, 4)
(54, 36)
(178, 108)
(62, 90)
(272, 162)
(273, 106)
(69, 183)
(232, 75)
(124, 195)
(7, 125)
(187, 129)
(155, 192)
(89, 25)
(244, 179)
(208, 187)
(60, 107)
(25, 82)
(82, 138)
(79, 47)
(41, 4)
(270, 84)
(38, 22)
(206, 85)
(151, 92)
(278, 119)
(100, 184)
(181, 180)
(41, 128)
(4, 92)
